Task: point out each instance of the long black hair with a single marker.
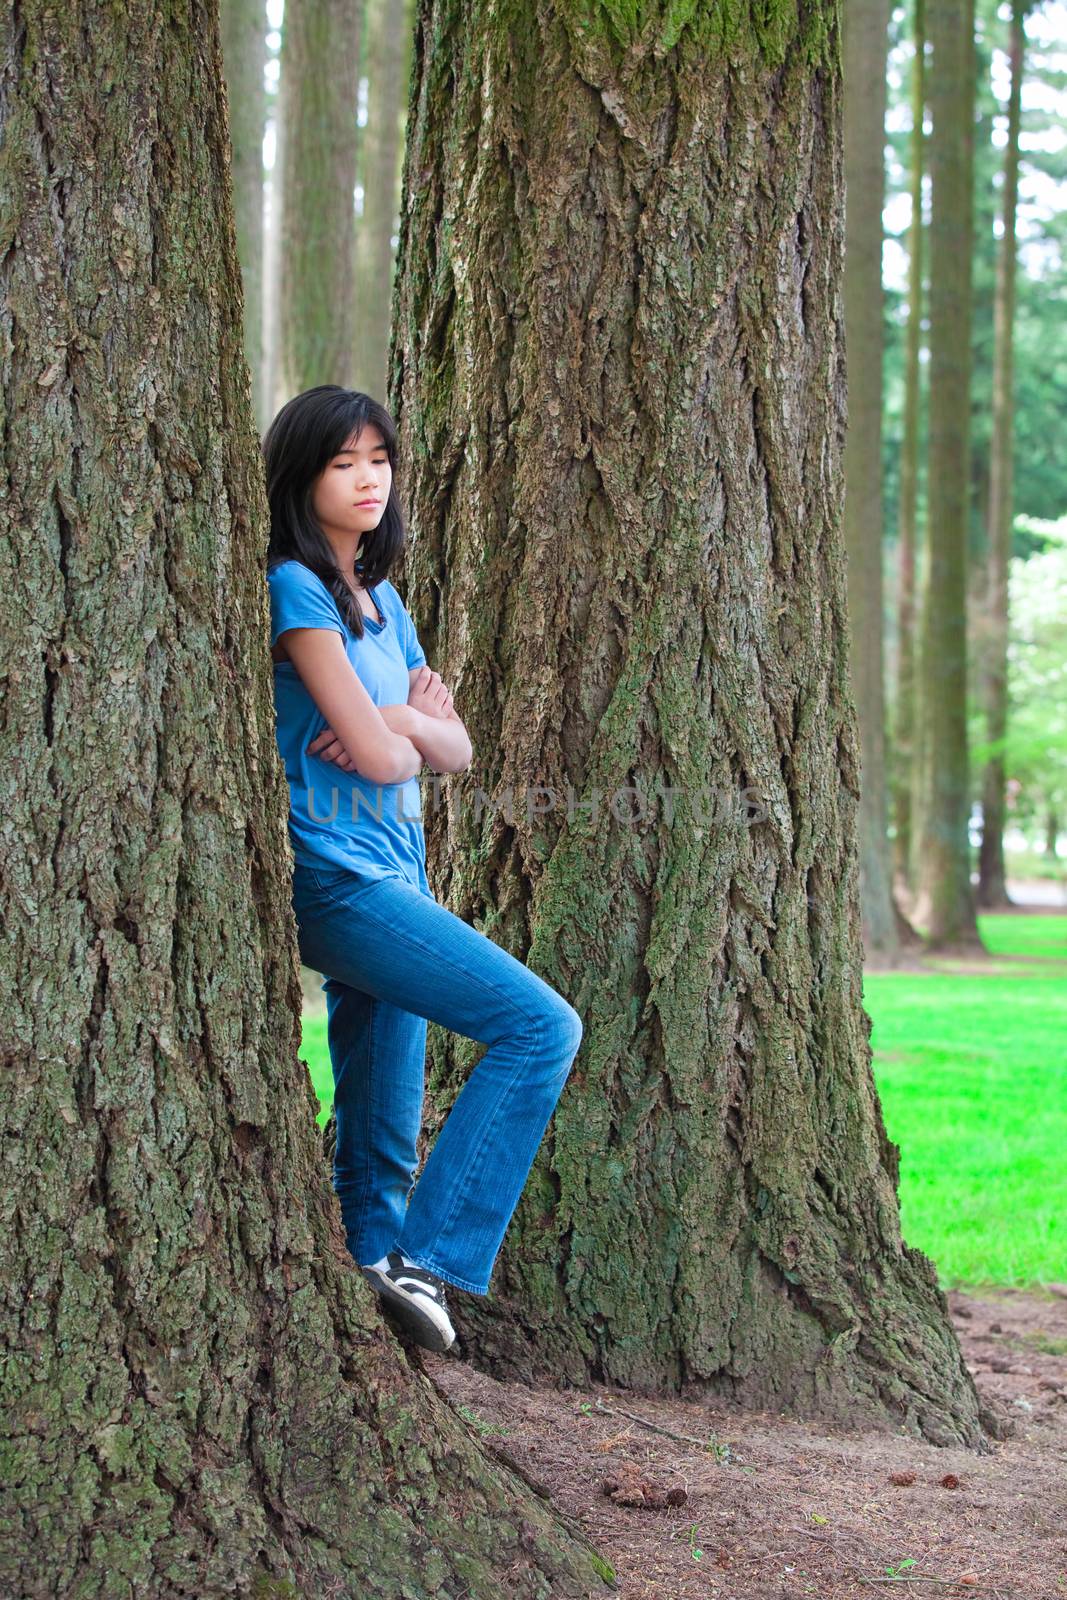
(309, 430)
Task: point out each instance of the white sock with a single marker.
(383, 1262)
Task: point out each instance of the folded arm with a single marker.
(428, 721)
(443, 740)
(369, 743)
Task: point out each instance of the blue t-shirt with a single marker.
(335, 816)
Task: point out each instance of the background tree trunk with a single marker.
(388, 75)
(618, 368)
(866, 30)
(319, 67)
(274, 201)
(904, 725)
(992, 889)
(198, 1396)
(244, 56)
(944, 903)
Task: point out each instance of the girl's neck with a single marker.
(346, 552)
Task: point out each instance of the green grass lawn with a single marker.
(972, 1071)
(316, 1052)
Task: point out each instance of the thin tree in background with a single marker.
(244, 56)
(618, 371)
(943, 909)
(274, 194)
(390, 26)
(1052, 832)
(319, 69)
(866, 37)
(904, 722)
(986, 171)
(992, 889)
(198, 1395)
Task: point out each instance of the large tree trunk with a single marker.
(244, 56)
(198, 1395)
(319, 67)
(904, 721)
(618, 366)
(388, 73)
(944, 901)
(866, 28)
(992, 889)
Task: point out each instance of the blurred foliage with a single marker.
(1036, 747)
(1041, 287)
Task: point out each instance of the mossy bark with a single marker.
(197, 1396)
(618, 366)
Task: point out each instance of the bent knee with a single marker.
(563, 1029)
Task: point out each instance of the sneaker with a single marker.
(416, 1298)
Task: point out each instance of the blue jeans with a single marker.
(393, 957)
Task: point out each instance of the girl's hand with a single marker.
(328, 747)
(429, 695)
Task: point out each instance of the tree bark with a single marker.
(992, 890)
(244, 56)
(904, 724)
(198, 1396)
(944, 903)
(866, 28)
(388, 74)
(319, 66)
(618, 367)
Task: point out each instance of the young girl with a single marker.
(359, 713)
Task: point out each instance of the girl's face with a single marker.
(349, 496)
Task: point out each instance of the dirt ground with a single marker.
(764, 1506)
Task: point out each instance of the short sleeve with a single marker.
(299, 599)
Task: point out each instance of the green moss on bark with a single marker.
(761, 30)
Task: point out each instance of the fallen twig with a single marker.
(683, 1438)
(945, 1583)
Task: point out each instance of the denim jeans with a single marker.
(393, 958)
